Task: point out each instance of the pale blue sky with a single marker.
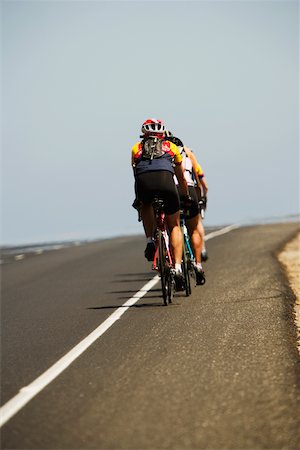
(80, 77)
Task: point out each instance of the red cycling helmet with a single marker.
(153, 126)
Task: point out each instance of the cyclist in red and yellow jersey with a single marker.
(155, 160)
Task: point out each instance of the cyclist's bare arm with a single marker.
(204, 186)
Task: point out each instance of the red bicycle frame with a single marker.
(161, 226)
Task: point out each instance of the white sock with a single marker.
(178, 267)
(149, 239)
(198, 266)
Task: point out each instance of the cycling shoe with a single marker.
(204, 255)
(150, 251)
(179, 281)
(200, 276)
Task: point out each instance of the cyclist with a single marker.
(202, 195)
(155, 160)
(190, 166)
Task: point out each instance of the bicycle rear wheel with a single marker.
(163, 267)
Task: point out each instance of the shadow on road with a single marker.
(134, 276)
(128, 291)
(140, 305)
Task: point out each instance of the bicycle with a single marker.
(163, 262)
(188, 258)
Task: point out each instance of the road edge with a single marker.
(289, 258)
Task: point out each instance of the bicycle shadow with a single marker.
(131, 277)
(140, 305)
(128, 291)
(154, 293)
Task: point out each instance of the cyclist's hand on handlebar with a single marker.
(203, 202)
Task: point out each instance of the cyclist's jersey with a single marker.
(171, 155)
(188, 169)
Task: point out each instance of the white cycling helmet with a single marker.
(153, 126)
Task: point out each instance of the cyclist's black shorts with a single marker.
(158, 184)
(194, 209)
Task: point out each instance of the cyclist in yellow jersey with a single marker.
(155, 160)
(202, 194)
(190, 165)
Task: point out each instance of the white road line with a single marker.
(19, 257)
(222, 231)
(26, 393)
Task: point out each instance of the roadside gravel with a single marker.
(290, 259)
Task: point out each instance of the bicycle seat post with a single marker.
(158, 207)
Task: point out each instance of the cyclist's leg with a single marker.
(144, 183)
(143, 188)
(148, 219)
(173, 223)
(192, 226)
(201, 231)
(195, 237)
(192, 221)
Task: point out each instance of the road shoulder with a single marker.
(289, 257)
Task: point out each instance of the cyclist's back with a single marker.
(154, 170)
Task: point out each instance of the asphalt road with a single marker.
(217, 370)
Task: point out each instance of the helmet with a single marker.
(153, 126)
(170, 137)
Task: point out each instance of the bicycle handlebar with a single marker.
(203, 202)
(202, 206)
